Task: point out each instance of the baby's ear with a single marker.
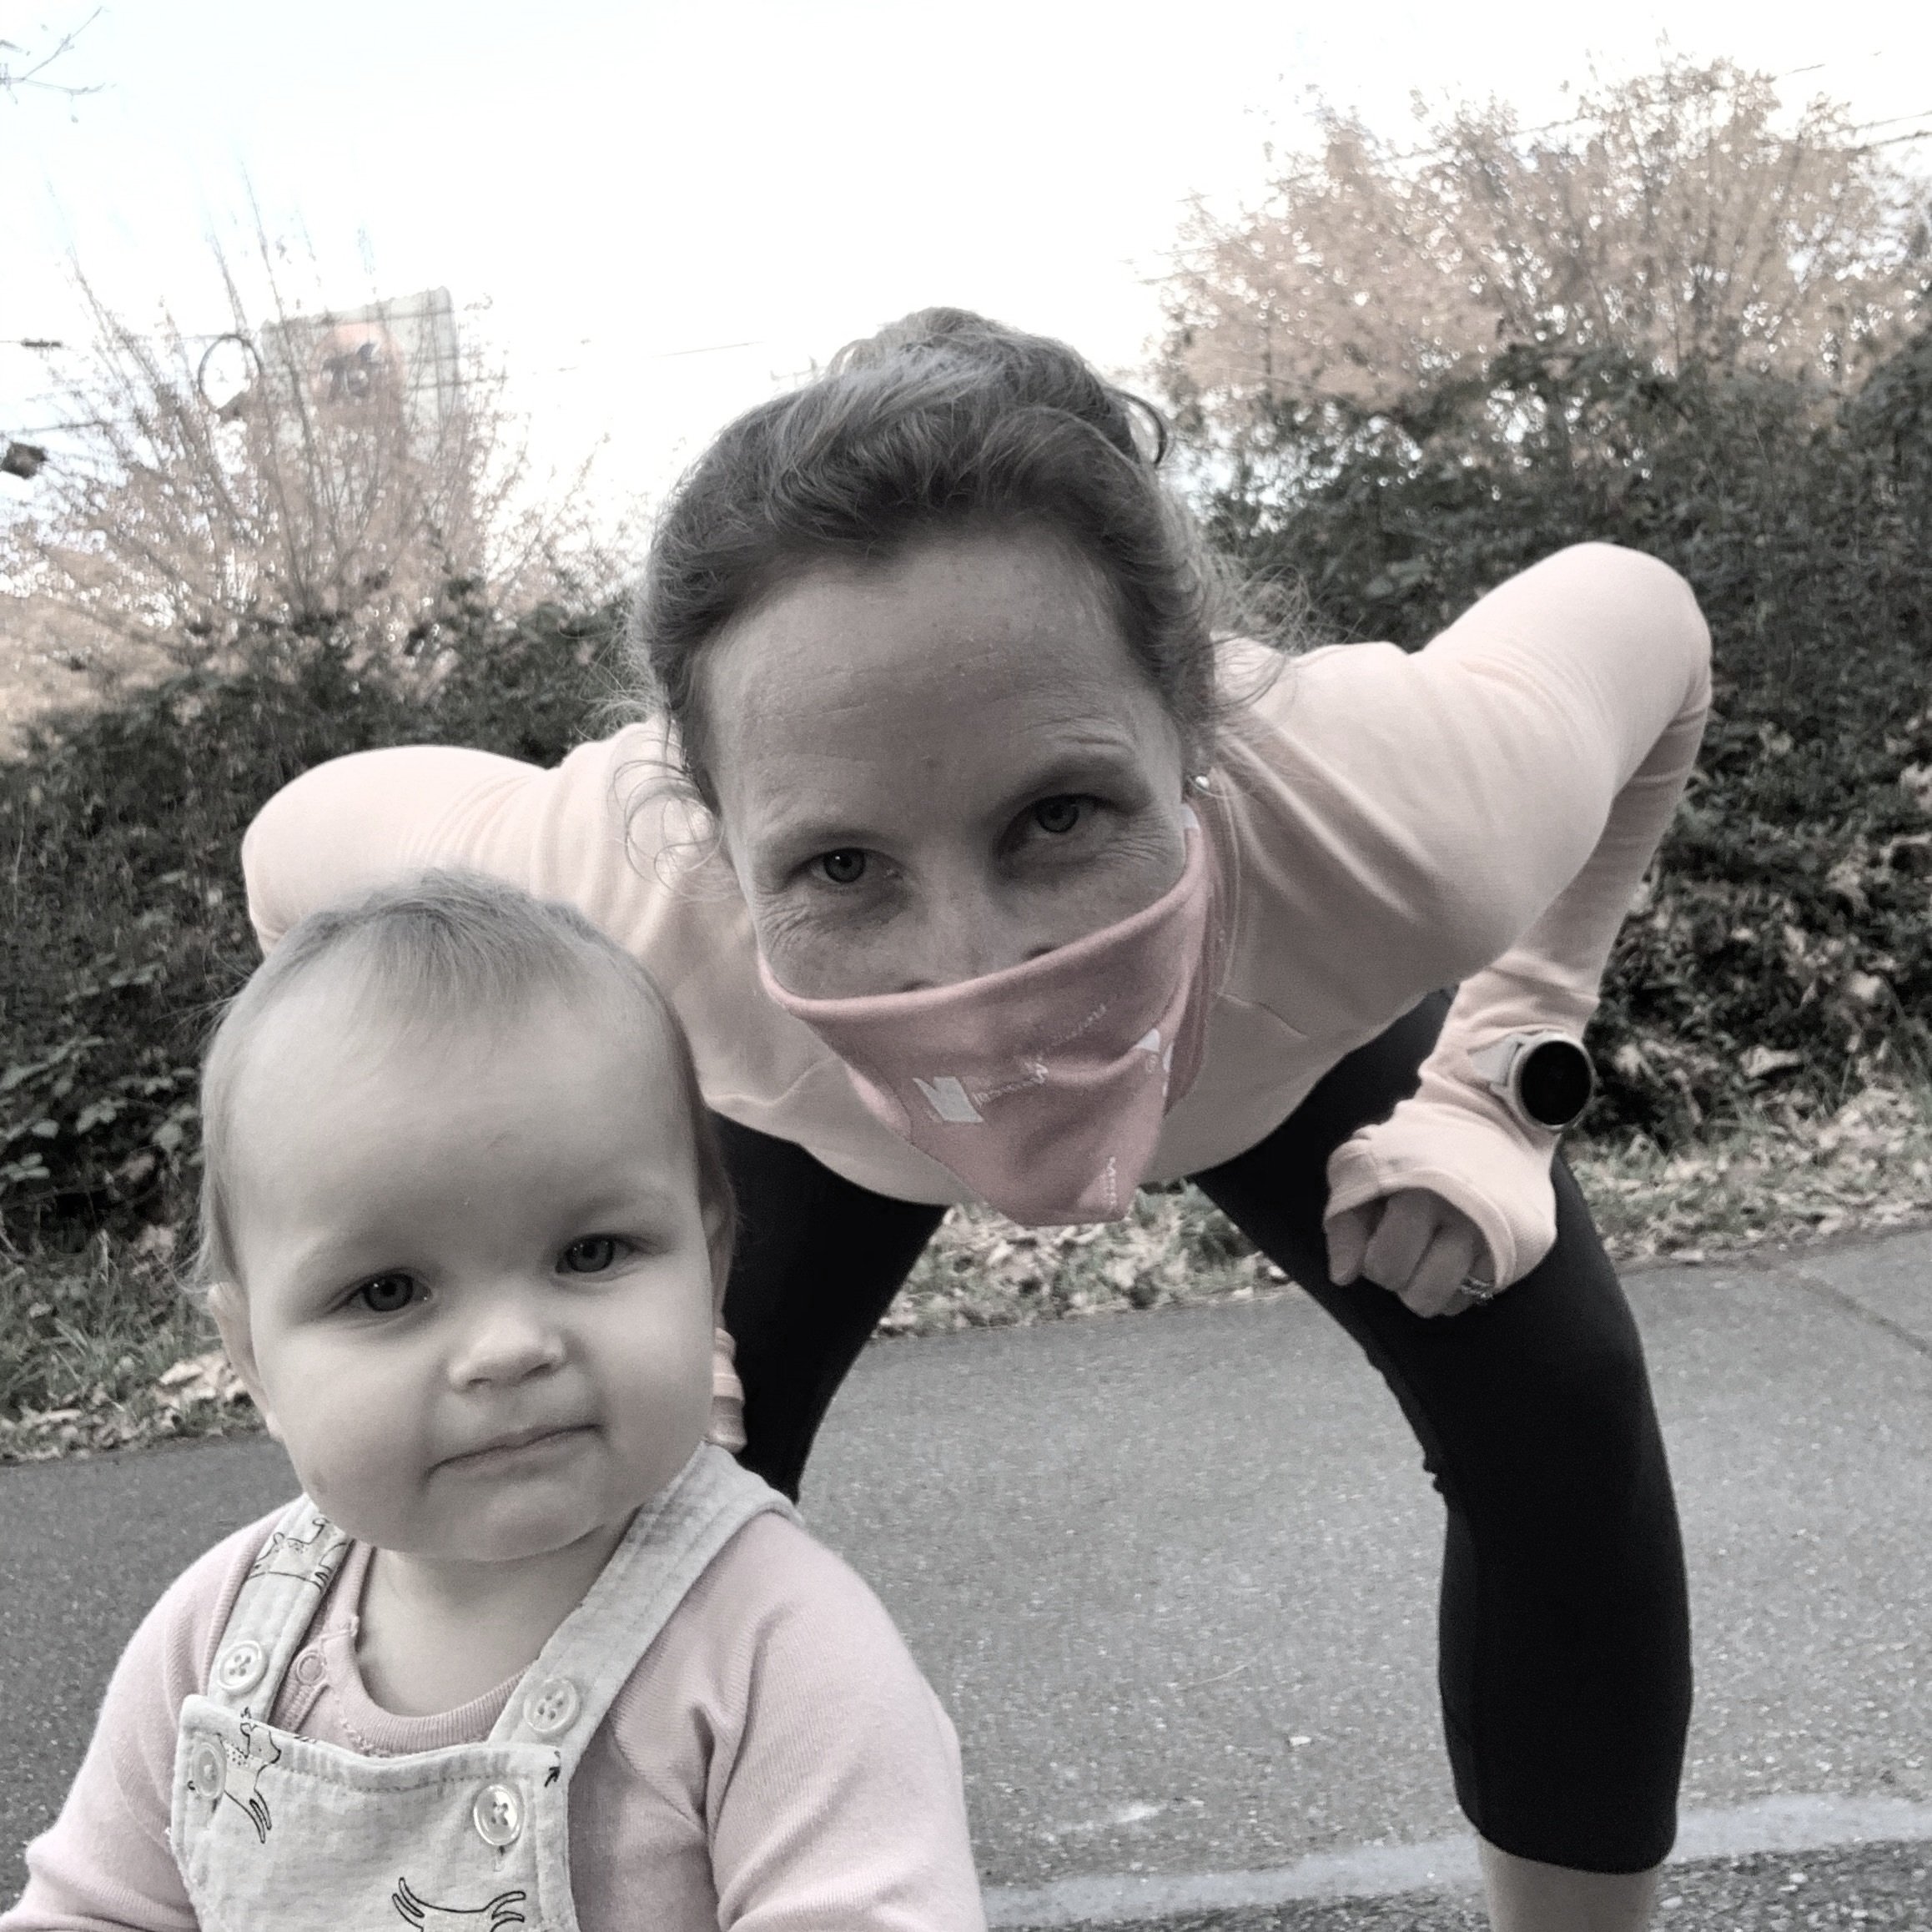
(229, 1305)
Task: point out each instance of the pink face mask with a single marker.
(1043, 1087)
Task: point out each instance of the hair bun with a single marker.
(1034, 372)
(925, 328)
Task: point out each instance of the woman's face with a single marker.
(940, 766)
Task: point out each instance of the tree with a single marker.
(312, 490)
(1674, 219)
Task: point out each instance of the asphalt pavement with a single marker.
(1175, 1576)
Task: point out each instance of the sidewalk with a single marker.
(1175, 1576)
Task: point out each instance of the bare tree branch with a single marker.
(20, 67)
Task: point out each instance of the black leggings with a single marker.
(1565, 1643)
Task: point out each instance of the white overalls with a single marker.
(275, 1833)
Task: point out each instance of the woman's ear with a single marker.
(228, 1307)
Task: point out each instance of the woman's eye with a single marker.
(1059, 815)
(386, 1294)
(591, 1255)
(844, 867)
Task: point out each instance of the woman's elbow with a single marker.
(310, 840)
(1640, 577)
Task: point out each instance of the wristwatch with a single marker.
(1545, 1078)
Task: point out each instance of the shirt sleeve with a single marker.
(104, 1864)
(1598, 661)
(834, 1800)
(580, 832)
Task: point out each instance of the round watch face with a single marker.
(1554, 1080)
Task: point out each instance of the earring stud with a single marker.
(1199, 781)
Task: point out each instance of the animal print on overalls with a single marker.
(271, 1830)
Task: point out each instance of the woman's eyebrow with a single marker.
(793, 836)
(1071, 766)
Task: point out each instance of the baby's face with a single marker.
(476, 1292)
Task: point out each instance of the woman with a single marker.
(1016, 888)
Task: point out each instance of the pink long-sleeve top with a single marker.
(1478, 812)
(775, 1764)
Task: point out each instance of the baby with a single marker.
(531, 1650)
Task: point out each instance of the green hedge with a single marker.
(1785, 954)
(127, 927)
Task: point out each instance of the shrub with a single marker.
(127, 924)
(1784, 950)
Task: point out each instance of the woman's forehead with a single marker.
(954, 628)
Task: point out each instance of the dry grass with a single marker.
(107, 1353)
(90, 1356)
(1868, 1167)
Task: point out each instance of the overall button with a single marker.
(309, 1667)
(207, 1769)
(497, 1814)
(552, 1707)
(241, 1666)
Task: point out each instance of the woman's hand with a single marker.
(1414, 1244)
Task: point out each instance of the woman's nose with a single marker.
(506, 1340)
(961, 931)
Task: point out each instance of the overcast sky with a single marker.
(652, 211)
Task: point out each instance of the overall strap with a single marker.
(565, 1694)
(275, 1608)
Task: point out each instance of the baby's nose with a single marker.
(508, 1340)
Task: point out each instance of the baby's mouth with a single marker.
(531, 1444)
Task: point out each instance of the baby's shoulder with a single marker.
(776, 1618)
(180, 1631)
(1265, 694)
(772, 1581)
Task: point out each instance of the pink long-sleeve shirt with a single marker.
(775, 1764)
(1478, 812)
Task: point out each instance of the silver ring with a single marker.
(1477, 1290)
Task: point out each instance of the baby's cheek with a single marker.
(364, 1492)
(354, 1453)
(667, 1420)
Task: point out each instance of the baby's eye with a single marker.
(1059, 815)
(592, 1254)
(844, 867)
(386, 1294)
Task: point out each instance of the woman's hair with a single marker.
(442, 949)
(942, 421)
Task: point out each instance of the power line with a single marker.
(704, 349)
